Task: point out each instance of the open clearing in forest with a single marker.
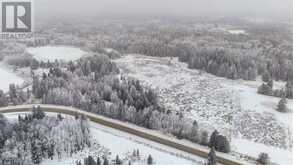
(231, 106)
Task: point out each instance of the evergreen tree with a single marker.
(263, 159)
(289, 89)
(252, 73)
(271, 83)
(38, 113)
(51, 151)
(222, 144)
(59, 117)
(265, 89)
(266, 77)
(150, 160)
(204, 138)
(106, 161)
(282, 105)
(99, 161)
(12, 91)
(3, 100)
(212, 141)
(194, 132)
(36, 153)
(91, 161)
(212, 158)
(134, 153)
(118, 161)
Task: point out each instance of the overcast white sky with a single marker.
(266, 8)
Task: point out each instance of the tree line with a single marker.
(226, 55)
(90, 160)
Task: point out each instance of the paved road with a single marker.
(132, 129)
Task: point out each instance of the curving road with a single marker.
(132, 129)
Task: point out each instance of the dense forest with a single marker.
(36, 136)
(244, 56)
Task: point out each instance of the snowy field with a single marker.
(277, 155)
(121, 143)
(200, 96)
(52, 53)
(228, 29)
(232, 107)
(237, 31)
(7, 77)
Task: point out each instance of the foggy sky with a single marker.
(249, 8)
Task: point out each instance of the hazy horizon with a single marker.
(218, 8)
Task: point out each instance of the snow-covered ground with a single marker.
(122, 144)
(52, 53)
(200, 96)
(259, 113)
(237, 31)
(228, 29)
(232, 107)
(7, 77)
(277, 155)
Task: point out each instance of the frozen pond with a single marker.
(52, 53)
(7, 77)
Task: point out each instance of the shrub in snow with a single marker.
(263, 159)
(265, 89)
(219, 142)
(204, 138)
(222, 144)
(282, 105)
